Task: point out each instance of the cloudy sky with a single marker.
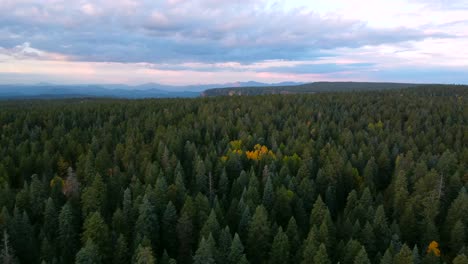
(217, 41)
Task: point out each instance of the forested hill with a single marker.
(358, 177)
(315, 87)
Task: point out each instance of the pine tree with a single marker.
(416, 257)
(361, 257)
(205, 253)
(50, 219)
(405, 256)
(185, 233)
(460, 259)
(268, 194)
(258, 242)
(294, 240)
(128, 212)
(94, 196)
(400, 193)
(381, 229)
(96, 230)
(68, 232)
(211, 226)
(457, 237)
(169, 226)
(7, 255)
(224, 245)
(387, 257)
(310, 247)
(321, 257)
(320, 215)
(368, 239)
(159, 195)
(244, 223)
(236, 254)
(147, 223)
(351, 250)
(37, 196)
(144, 254)
(47, 251)
(280, 248)
(89, 254)
(120, 252)
(201, 178)
(22, 238)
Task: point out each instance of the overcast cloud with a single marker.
(213, 41)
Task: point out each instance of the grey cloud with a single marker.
(176, 31)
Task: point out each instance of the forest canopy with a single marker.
(355, 177)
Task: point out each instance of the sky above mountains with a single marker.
(183, 42)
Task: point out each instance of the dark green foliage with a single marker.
(89, 254)
(361, 257)
(321, 257)
(224, 245)
(236, 253)
(169, 226)
(68, 231)
(96, 230)
(280, 248)
(147, 224)
(405, 256)
(120, 251)
(356, 177)
(259, 235)
(7, 255)
(144, 255)
(205, 253)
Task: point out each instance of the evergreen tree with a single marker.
(457, 237)
(211, 226)
(268, 195)
(236, 254)
(120, 252)
(387, 257)
(7, 255)
(169, 226)
(321, 257)
(96, 230)
(460, 259)
(224, 245)
(244, 223)
(294, 240)
(185, 233)
(22, 239)
(144, 254)
(381, 229)
(50, 219)
(258, 242)
(416, 257)
(205, 253)
(361, 257)
(89, 254)
(405, 256)
(147, 223)
(310, 247)
(94, 196)
(68, 232)
(280, 248)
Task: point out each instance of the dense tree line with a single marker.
(362, 177)
(316, 87)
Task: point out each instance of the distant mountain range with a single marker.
(149, 90)
(316, 87)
